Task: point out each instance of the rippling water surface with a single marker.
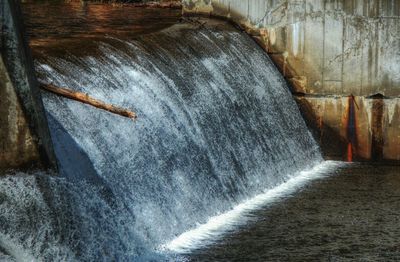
(51, 21)
(350, 214)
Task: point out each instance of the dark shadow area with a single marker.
(4, 253)
(74, 164)
(333, 146)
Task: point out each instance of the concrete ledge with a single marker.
(370, 125)
(26, 118)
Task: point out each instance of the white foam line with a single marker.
(14, 250)
(217, 226)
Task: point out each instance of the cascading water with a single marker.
(216, 126)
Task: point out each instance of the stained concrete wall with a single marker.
(330, 51)
(17, 146)
(24, 136)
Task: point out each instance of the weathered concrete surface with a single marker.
(24, 136)
(17, 147)
(331, 48)
(372, 127)
(324, 46)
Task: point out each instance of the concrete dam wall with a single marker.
(24, 136)
(342, 58)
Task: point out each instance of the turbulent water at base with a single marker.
(216, 126)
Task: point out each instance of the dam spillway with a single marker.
(219, 164)
(216, 126)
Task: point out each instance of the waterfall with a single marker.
(216, 126)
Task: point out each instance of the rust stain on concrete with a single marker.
(351, 128)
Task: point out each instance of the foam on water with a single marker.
(217, 226)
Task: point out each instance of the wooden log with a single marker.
(165, 4)
(86, 99)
